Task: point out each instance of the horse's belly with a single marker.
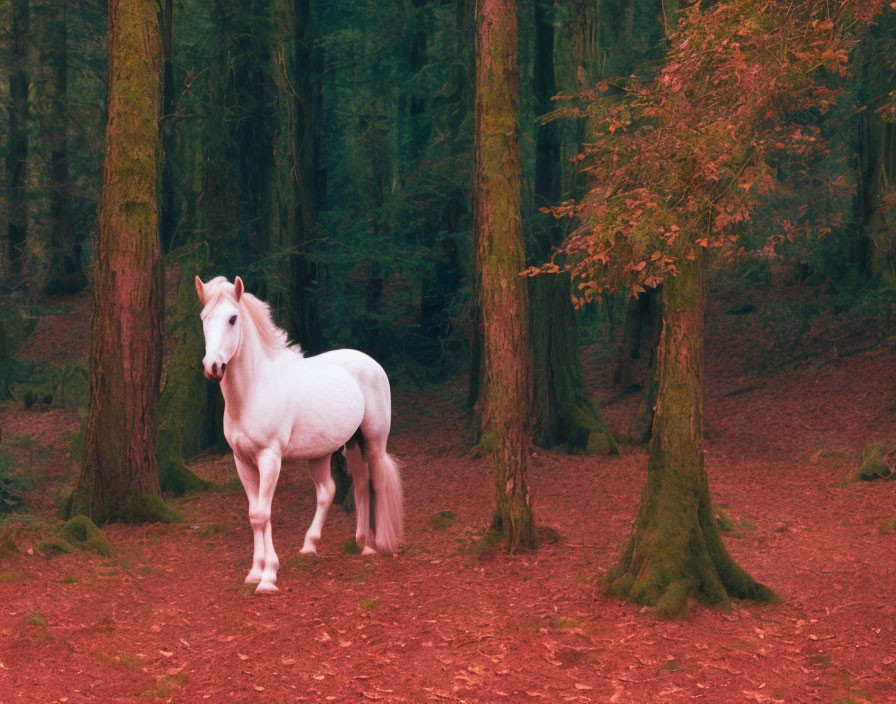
(322, 427)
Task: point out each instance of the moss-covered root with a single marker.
(666, 569)
(83, 533)
(151, 508)
(176, 478)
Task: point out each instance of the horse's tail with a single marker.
(388, 504)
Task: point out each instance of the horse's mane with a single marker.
(258, 313)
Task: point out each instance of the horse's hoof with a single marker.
(369, 551)
(252, 578)
(311, 552)
(266, 588)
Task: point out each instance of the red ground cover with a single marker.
(166, 618)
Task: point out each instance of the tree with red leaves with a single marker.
(678, 168)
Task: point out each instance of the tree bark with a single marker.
(874, 248)
(167, 215)
(119, 478)
(190, 407)
(501, 258)
(66, 273)
(294, 177)
(17, 139)
(564, 413)
(675, 551)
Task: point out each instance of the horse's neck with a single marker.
(244, 370)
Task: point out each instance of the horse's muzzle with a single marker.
(216, 373)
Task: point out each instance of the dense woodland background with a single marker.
(339, 156)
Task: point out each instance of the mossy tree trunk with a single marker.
(294, 200)
(500, 258)
(17, 138)
(675, 551)
(66, 273)
(167, 215)
(119, 479)
(640, 337)
(190, 407)
(874, 249)
(564, 413)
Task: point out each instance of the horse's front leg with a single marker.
(325, 489)
(260, 518)
(248, 474)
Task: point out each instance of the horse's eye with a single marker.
(233, 320)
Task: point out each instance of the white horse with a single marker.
(278, 405)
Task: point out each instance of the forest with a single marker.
(628, 265)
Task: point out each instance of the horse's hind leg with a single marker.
(357, 467)
(326, 490)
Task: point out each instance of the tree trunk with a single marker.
(874, 248)
(652, 327)
(119, 478)
(167, 215)
(293, 193)
(675, 551)
(501, 258)
(190, 407)
(66, 273)
(17, 139)
(564, 413)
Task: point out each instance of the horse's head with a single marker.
(220, 323)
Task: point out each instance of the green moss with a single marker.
(81, 532)
(150, 508)
(485, 544)
(601, 443)
(561, 623)
(36, 619)
(55, 546)
(210, 530)
(350, 547)
(443, 520)
(127, 661)
(300, 562)
(165, 687)
(370, 604)
(11, 576)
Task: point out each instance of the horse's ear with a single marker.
(200, 289)
(238, 288)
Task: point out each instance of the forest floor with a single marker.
(167, 617)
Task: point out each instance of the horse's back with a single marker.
(373, 383)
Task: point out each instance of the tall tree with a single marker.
(680, 165)
(675, 550)
(294, 199)
(17, 149)
(167, 203)
(118, 479)
(876, 148)
(564, 412)
(66, 272)
(610, 40)
(500, 258)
